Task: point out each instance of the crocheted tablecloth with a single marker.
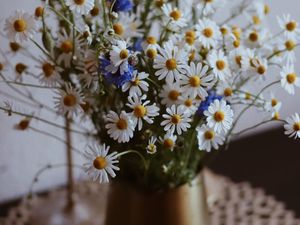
(229, 203)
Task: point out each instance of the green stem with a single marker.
(146, 165)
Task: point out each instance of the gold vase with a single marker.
(185, 205)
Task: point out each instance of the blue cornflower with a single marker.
(117, 78)
(122, 5)
(137, 46)
(212, 96)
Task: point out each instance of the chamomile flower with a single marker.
(235, 59)
(169, 140)
(225, 89)
(82, 7)
(190, 105)
(100, 164)
(273, 105)
(292, 127)
(151, 147)
(208, 33)
(119, 127)
(119, 57)
(255, 38)
(219, 116)
(170, 94)
(175, 17)
(208, 139)
(288, 47)
(69, 100)
(141, 110)
(137, 84)
(170, 63)
(128, 26)
(20, 70)
(176, 120)
(261, 67)
(290, 27)
(20, 26)
(50, 73)
(150, 43)
(196, 81)
(218, 61)
(289, 79)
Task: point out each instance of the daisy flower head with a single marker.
(20, 26)
(225, 89)
(119, 127)
(208, 33)
(170, 94)
(69, 101)
(208, 139)
(169, 140)
(219, 116)
(141, 110)
(255, 38)
(235, 59)
(218, 61)
(50, 73)
(290, 27)
(176, 120)
(175, 17)
(170, 63)
(20, 70)
(82, 7)
(151, 147)
(119, 56)
(261, 9)
(289, 45)
(205, 103)
(137, 84)
(190, 105)
(292, 127)
(196, 81)
(260, 67)
(273, 105)
(100, 165)
(289, 79)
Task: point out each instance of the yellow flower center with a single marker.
(14, 46)
(236, 32)
(122, 124)
(209, 135)
(195, 81)
(171, 64)
(39, 11)
(297, 126)
(274, 102)
(188, 102)
(224, 31)
(173, 95)
(69, 100)
(291, 78)
(20, 25)
(253, 37)
(151, 148)
(118, 28)
(190, 40)
(100, 163)
(136, 82)
(1, 66)
(236, 43)
(140, 111)
(23, 124)
(176, 119)
(290, 45)
(291, 26)
(85, 106)
(192, 56)
(79, 2)
(48, 69)
(227, 92)
(276, 116)
(151, 40)
(67, 46)
(124, 54)
(159, 3)
(256, 20)
(175, 14)
(261, 70)
(190, 33)
(221, 64)
(20, 68)
(208, 32)
(151, 53)
(168, 143)
(247, 96)
(95, 11)
(208, 1)
(219, 116)
(266, 9)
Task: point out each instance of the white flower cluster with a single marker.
(150, 74)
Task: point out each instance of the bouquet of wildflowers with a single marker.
(162, 83)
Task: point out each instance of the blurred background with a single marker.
(265, 157)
